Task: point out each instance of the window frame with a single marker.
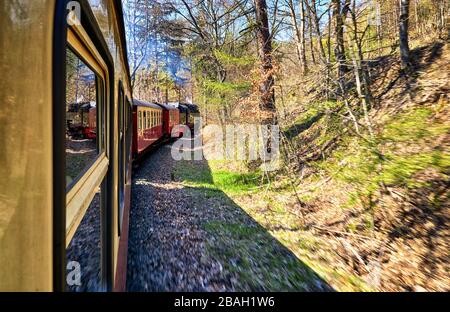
(121, 170)
(81, 193)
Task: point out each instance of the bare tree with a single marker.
(267, 100)
(315, 20)
(340, 14)
(404, 40)
(299, 31)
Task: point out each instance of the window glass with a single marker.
(85, 248)
(85, 139)
(145, 119)
(140, 121)
(122, 157)
(82, 144)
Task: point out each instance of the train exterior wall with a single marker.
(33, 35)
(106, 16)
(26, 141)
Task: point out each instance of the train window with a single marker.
(122, 157)
(82, 143)
(145, 120)
(87, 161)
(140, 121)
(151, 119)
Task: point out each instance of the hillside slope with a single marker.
(366, 213)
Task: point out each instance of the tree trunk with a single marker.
(299, 31)
(302, 36)
(404, 24)
(311, 41)
(313, 10)
(340, 14)
(361, 77)
(267, 94)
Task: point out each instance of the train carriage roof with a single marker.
(192, 108)
(183, 108)
(167, 107)
(146, 104)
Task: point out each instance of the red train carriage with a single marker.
(82, 120)
(147, 126)
(90, 132)
(184, 116)
(171, 118)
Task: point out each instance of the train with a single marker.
(154, 123)
(70, 131)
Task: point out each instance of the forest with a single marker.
(359, 89)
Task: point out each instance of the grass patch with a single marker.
(199, 175)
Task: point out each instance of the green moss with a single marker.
(368, 166)
(400, 170)
(412, 126)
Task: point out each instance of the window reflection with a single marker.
(81, 117)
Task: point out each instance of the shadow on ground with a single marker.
(187, 235)
(255, 259)
(422, 58)
(294, 130)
